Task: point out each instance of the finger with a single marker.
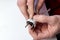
(48, 33)
(51, 20)
(32, 32)
(43, 35)
(22, 6)
(30, 4)
(39, 5)
(41, 18)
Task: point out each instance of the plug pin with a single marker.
(26, 25)
(30, 22)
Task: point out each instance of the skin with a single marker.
(46, 27)
(28, 12)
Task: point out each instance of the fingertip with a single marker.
(29, 27)
(35, 17)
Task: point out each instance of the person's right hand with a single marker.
(46, 27)
(27, 7)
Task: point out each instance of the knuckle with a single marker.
(55, 19)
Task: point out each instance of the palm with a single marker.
(44, 30)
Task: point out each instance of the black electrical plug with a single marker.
(31, 22)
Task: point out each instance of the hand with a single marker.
(47, 27)
(27, 7)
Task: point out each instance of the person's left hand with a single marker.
(27, 7)
(46, 27)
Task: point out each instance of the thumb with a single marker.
(41, 18)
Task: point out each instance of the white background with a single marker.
(12, 22)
